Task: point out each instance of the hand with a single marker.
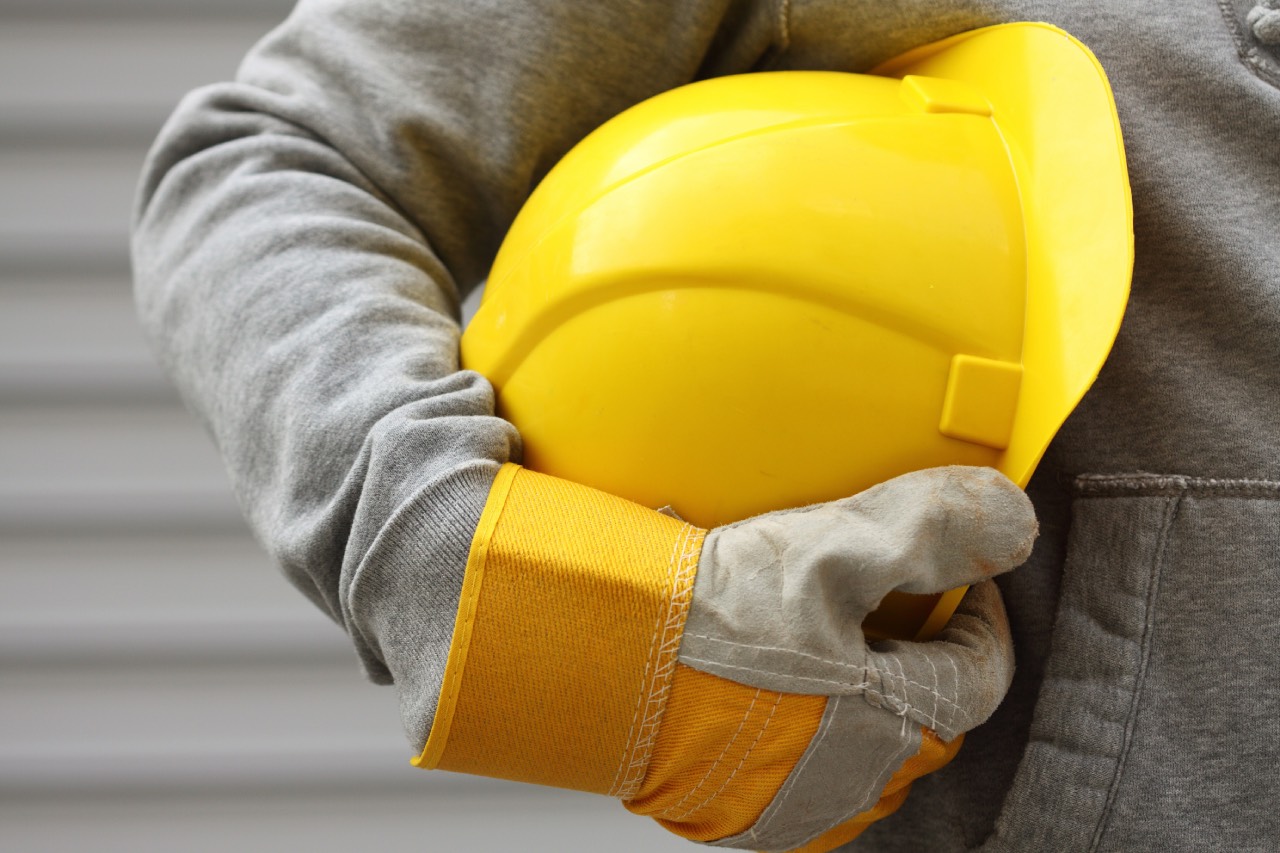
(778, 604)
(741, 706)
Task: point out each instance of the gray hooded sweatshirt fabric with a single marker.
(305, 235)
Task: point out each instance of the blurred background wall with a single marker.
(161, 686)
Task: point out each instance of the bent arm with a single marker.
(302, 241)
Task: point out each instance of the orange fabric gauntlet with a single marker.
(563, 671)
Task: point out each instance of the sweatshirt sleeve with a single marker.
(303, 238)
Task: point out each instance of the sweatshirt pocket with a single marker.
(1255, 27)
(1158, 722)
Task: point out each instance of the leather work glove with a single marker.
(720, 681)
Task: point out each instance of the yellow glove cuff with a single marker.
(565, 642)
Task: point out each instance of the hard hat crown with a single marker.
(764, 291)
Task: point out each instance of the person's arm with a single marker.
(303, 239)
(304, 236)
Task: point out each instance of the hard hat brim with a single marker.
(1054, 106)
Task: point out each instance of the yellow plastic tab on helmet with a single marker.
(944, 96)
(566, 637)
(982, 396)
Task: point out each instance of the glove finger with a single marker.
(938, 529)
(954, 682)
(923, 532)
(780, 599)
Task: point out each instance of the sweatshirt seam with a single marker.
(784, 26)
(1146, 643)
(1161, 485)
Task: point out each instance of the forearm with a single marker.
(303, 238)
(314, 331)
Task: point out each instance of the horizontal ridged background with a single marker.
(161, 686)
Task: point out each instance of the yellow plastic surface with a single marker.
(753, 292)
(981, 399)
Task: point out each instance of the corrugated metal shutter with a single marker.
(161, 686)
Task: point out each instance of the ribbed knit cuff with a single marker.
(403, 599)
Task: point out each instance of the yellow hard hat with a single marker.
(776, 289)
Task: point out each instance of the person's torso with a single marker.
(1145, 711)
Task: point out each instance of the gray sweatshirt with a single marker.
(305, 234)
